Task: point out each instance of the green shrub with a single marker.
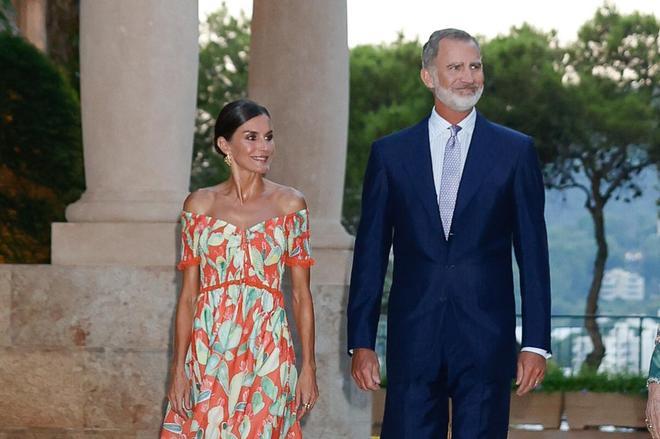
(555, 381)
(41, 168)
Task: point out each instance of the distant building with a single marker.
(621, 284)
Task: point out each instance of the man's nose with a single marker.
(467, 75)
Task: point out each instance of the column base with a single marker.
(121, 243)
(137, 206)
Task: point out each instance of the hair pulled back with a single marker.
(232, 116)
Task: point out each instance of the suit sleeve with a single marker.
(370, 255)
(530, 244)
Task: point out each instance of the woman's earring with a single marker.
(228, 160)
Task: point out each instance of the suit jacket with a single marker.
(500, 204)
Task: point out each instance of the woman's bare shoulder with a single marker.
(200, 200)
(288, 199)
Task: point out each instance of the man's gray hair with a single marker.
(430, 49)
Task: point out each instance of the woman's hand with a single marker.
(307, 392)
(653, 410)
(179, 391)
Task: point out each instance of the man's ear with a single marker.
(427, 78)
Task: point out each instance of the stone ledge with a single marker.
(135, 244)
(104, 307)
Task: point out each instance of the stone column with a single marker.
(299, 71)
(138, 65)
(31, 21)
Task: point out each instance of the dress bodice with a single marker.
(227, 253)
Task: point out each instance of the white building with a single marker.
(621, 284)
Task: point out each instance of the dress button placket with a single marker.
(246, 253)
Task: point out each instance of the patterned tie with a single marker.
(451, 177)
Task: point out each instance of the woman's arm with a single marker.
(653, 401)
(303, 310)
(179, 392)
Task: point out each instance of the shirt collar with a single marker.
(439, 125)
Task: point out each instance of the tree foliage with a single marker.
(41, 167)
(223, 69)
(386, 95)
(593, 111)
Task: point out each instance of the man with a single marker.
(451, 195)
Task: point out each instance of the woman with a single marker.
(653, 402)
(233, 374)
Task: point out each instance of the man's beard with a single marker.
(455, 101)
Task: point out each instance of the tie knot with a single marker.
(454, 130)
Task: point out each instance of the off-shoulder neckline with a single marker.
(241, 229)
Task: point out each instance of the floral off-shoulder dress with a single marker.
(241, 360)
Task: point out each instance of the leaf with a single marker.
(215, 239)
(174, 428)
(223, 376)
(257, 402)
(284, 373)
(233, 291)
(204, 396)
(242, 349)
(229, 335)
(269, 388)
(212, 365)
(235, 391)
(271, 363)
(277, 407)
(244, 428)
(257, 259)
(197, 238)
(268, 431)
(279, 236)
(238, 258)
(202, 351)
(267, 302)
(215, 417)
(274, 256)
(250, 300)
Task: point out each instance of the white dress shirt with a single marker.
(439, 134)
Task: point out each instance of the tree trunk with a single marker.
(595, 357)
(62, 28)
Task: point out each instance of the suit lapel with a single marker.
(480, 160)
(417, 162)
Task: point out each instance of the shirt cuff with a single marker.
(541, 352)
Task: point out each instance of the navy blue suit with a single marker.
(451, 314)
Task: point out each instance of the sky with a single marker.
(379, 21)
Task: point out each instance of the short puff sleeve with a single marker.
(189, 241)
(299, 250)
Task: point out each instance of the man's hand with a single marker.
(366, 369)
(531, 371)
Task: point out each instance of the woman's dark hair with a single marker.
(232, 116)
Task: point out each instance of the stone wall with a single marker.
(84, 350)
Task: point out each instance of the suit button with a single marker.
(443, 298)
(452, 266)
